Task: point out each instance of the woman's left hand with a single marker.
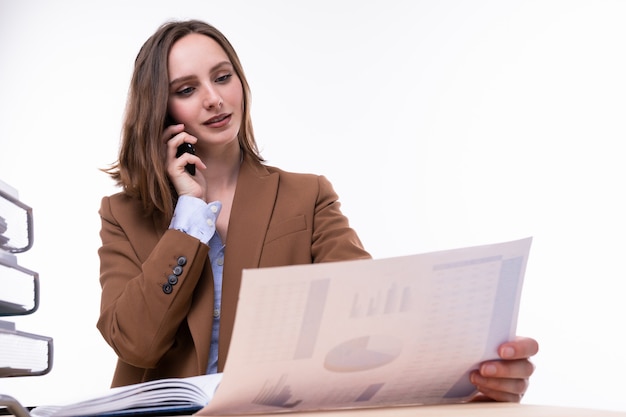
(506, 379)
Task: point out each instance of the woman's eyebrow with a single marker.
(182, 79)
(222, 64)
(186, 78)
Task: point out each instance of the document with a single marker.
(370, 333)
(171, 396)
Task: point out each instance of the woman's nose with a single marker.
(211, 99)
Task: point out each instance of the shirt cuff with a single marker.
(195, 217)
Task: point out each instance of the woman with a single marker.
(174, 241)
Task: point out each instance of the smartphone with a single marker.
(187, 148)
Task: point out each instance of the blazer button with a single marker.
(167, 288)
(172, 279)
(181, 261)
(177, 270)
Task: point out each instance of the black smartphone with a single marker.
(187, 148)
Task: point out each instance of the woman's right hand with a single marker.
(184, 183)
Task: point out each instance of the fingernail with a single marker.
(473, 378)
(488, 370)
(507, 353)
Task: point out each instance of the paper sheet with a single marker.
(404, 330)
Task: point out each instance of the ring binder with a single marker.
(21, 353)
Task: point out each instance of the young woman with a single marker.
(175, 240)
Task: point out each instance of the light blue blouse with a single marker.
(198, 219)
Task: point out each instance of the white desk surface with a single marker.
(478, 409)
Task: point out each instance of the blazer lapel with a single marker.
(250, 215)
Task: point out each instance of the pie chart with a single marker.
(362, 353)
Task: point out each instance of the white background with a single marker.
(440, 124)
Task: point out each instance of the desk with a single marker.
(457, 410)
(461, 410)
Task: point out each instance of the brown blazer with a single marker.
(277, 218)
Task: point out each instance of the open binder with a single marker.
(21, 353)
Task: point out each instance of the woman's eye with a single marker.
(223, 78)
(185, 91)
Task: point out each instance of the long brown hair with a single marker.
(140, 168)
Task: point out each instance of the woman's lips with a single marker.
(218, 121)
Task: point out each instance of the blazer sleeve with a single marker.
(141, 310)
(332, 237)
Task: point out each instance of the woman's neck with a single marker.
(222, 170)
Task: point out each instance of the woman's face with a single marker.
(205, 94)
